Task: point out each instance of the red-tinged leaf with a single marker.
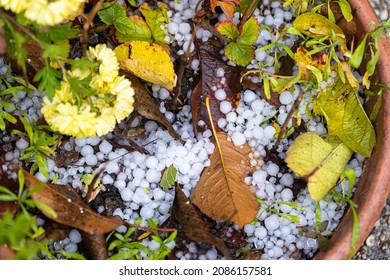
(211, 60)
(69, 208)
(250, 32)
(227, 9)
(228, 29)
(193, 226)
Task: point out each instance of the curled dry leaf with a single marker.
(221, 192)
(70, 208)
(210, 61)
(145, 106)
(192, 224)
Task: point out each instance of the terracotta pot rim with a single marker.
(374, 185)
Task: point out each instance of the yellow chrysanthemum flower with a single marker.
(100, 111)
(124, 100)
(108, 64)
(46, 12)
(70, 120)
(15, 6)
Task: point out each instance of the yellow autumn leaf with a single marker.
(147, 61)
(320, 160)
(315, 25)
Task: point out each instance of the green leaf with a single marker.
(45, 208)
(110, 12)
(356, 59)
(355, 232)
(115, 14)
(320, 160)
(62, 32)
(377, 106)
(139, 32)
(346, 117)
(346, 9)
(169, 178)
(240, 54)
(56, 51)
(371, 64)
(155, 18)
(249, 33)
(228, 29)
(49, 80)
(349, 174)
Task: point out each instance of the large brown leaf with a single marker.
(70, 208)
(221, 192)
(193, 226)
(210, 60)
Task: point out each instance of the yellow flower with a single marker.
(15, 6)
(46, 12)
(108, 64)
(105, 122)
(68, 119)
(124, 100)
(100, 111)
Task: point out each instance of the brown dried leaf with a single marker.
(145, 106)
(6, 253)
(96, 245)
(3, 42)
(70, 208)
(8, 207)
(192, 225)
(211, 60)
(221, 192)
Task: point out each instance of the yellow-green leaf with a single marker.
(249, 33)
(155, 17)
(240, 54)
(315, 25)
(139, 32)
(169, 178)
(346, 117)
(149, 62)
(320, 160)
(228, 29)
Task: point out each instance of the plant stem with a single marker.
(283, 129)
(248, 12)
(21, 27)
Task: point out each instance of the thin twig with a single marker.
(248, 12)
(283, 129)
(89, 22)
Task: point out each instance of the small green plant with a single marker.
(345, 198)
(19, 232)
(128, 247)
(271, 208)
(24, 198)
(41, 144)
(239, 49)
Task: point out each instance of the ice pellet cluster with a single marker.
(136, 175)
